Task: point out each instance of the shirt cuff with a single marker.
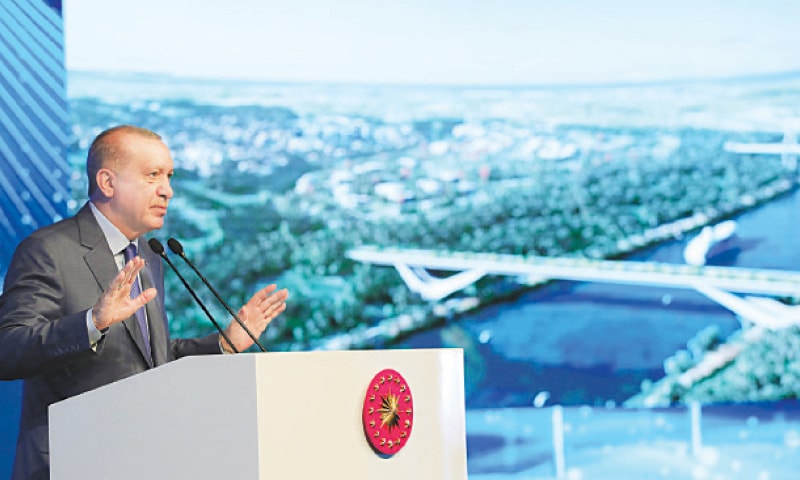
(95, 335)
(222, 349)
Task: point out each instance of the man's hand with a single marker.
(116, 304)
(256, 314)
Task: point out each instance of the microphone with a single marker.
(158, 248)
(177, 248)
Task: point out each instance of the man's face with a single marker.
(141, 186)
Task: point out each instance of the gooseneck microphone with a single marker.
(158, 248)
(177, 249)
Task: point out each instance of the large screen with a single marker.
(596, 201)
(428, 175)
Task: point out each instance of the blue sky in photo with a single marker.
(506, 42)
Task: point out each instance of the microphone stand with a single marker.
(177, 248)
(158, 248)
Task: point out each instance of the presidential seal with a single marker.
(388, 413)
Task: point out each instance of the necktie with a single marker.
(130, 253)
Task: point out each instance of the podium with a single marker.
(287, 416)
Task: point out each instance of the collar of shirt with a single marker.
(115, 239)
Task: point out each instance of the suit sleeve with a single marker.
(182, 347)
(35, 334)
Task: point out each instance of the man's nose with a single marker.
(165, 190)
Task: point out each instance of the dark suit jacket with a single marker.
(55, 276)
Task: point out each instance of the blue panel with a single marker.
(34, 132)
(34, 128)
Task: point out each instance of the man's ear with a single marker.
(106, 182)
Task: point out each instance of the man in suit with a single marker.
(68, 312)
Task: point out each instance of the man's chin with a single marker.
(157, 223)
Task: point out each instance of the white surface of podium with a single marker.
(288, 416)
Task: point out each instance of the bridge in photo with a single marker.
(714, 282)
(789, 149)
(473, 266)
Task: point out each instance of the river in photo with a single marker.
(578, 343)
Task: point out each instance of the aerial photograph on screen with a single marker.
(598, 204)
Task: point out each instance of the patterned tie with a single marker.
(130, 253)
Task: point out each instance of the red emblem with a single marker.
(388, 413)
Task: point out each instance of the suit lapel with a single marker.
(156, 317)
(99, 258)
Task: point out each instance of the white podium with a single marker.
(288, 416)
